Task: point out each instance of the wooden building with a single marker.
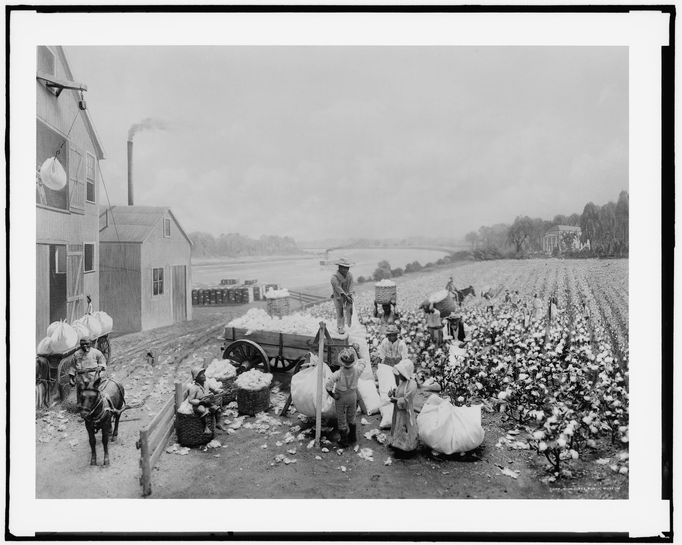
(145, 268)
(66, 219)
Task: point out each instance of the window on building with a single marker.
(48, 142)
(88, 257)
(157, 281)
(46, 61)
(90, 178)
(166, 227)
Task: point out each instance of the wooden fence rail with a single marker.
(154, 436)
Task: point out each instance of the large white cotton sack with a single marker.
(368, 397)
(81, 329)
(304, 392)
(106, 321)
(93, 325)
(386, 379)
(449, 429)
(44, 346)
(52, 327)
(386, 416)
(63, 338)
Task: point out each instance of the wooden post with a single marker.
(179, 397)
(145, 463)
(320, 385)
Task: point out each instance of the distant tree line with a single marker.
(384, 269)
(236, 245)
(604, 227)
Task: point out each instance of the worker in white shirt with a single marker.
(434, 323)
(392, 350)
(342, 294)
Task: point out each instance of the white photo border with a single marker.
(644, 32)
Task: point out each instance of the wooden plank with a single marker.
(157, 418)
(145, 465)
(320, 378)
(158, 450)
(160, 428)
(179, 394)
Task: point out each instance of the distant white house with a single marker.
(565, 237)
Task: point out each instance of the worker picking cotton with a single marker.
(392, 350)
(343, 387)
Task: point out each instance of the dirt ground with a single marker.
(245, 465)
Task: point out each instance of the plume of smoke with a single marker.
(147, 124)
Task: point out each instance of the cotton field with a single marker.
(562, 383)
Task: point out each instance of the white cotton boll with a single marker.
(539, 434)
(185, 408)
(253, 380)
(561, 441)
(542, 446)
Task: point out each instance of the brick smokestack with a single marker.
(130, 173)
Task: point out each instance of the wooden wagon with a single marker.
(274, 350)
(52, 379)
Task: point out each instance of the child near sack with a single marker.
(343, 387)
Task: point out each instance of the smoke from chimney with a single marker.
(147, 124)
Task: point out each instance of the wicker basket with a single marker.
(385, 294)
(190, 430)
(278, 307)
(252, 402)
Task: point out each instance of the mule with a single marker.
(463, 293)
(100, 401)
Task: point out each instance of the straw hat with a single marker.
(343, 262)
(404, 368)
(391, 330)
(347, 357)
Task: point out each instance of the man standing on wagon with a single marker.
(342, 295)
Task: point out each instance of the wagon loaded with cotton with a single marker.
(258, 340)
(54, 355)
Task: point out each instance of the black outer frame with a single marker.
(667, 268)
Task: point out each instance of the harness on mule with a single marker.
(103, 406)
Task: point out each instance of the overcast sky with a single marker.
(317, 142)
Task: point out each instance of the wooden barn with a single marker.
(144, 268)
(67, 234)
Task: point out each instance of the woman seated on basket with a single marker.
(201, 398)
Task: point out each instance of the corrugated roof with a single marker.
(134, 223)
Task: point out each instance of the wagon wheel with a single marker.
(247, 354)
(283, 364)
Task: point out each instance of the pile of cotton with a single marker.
(253, 380)
(221, 370)
(257, 319)
(186, 408)
(213, 384)
(276, 294)
(385, 283)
